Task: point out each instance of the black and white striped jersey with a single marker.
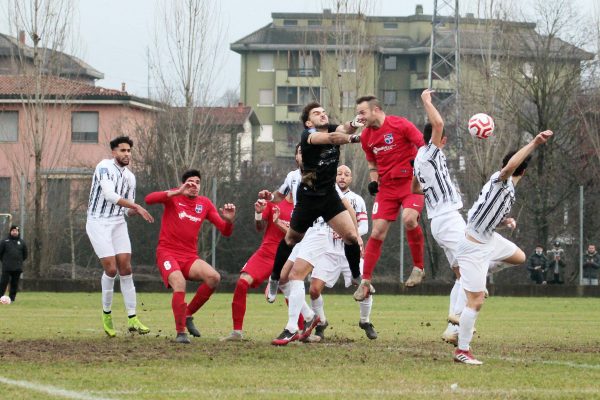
(493, 205)
(441, 195)
(109, 184)
(291, 183)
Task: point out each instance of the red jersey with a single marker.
(182, 220)
(273, 234)
(393, 146)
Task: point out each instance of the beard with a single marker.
(322, 126)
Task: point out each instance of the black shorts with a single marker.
(310, 207)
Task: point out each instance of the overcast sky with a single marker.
(115, 35)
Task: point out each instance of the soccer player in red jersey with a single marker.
(177, 251)
(275, 220)
(390, 144)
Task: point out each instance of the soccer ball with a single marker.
(481, 126)
(5, 300)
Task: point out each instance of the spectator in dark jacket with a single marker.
(13, 251)
(591, 263)
(537, 266)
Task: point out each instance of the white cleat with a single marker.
(416, 277)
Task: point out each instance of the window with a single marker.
(287, 95)
(528, 70)
(348, 63)
(303, 64)
(308, 94)
(412, 64)
(265, 97)
(389, 63)
(266, 134)
(265, 62)
(348, 99)
(389, 97)
(5, 195)
(390, 25)
(84, 127)
(58, 193)
(9, 126)
(495, 68)
(290, 22)
(265, 168)
(314, 22)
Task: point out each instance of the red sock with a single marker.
(300, 317)
(202, 295)
(372, 254)
(416, 242)
(178, 305)
(238, 305)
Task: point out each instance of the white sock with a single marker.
(365, 309)
(453, 296)
(317, 306)
(128, 291)
(296, 299)
(108, 285)
(465, 330)
(461, 301)
(307, 312)
(285, 289)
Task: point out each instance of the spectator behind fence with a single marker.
(591, 263)
(556, 263)
(13, 252)
(537, 265)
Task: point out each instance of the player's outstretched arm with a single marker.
(273, 197)
(336, 137)
(259, 207)
(435, 119)
(520, 156)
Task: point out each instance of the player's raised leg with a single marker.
(204, 272)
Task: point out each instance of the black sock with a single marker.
(352, 252)
(283, 252)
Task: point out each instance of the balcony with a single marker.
(419, 81)
(298, 77)
(288, 113)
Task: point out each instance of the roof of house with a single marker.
(23, 88)
(55, 62)
(521, 36)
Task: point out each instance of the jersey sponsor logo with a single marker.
(377, 150)
(388, 138)
(199, 208)
(183, 215)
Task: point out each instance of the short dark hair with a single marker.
(120, 139)
(306, 111)
(540, 246)
(371, 99)
(521, 168)
(189, 173)
(428, 131)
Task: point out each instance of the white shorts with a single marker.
(108, 239)
(312, 246)
(330, 266)
(448, 230)
(474, 259)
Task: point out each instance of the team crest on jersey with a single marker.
(388, 138)
(198, 208)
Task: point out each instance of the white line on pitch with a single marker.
(51, 390)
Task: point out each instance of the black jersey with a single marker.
(319, 165)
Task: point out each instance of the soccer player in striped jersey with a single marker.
(177, 251)
(112, 197)
(442, 199)
(482, 244)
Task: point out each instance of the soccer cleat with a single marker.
(234, 336)
(465, 357)
(416, 277)
(320, 329)
(369, 329)
(108, 325)
(189, 324)
(182, 337)
(450, 335)
(364, 290)
(454, 319)
(135, 325)
(308, 327)
(285, 337)
(271, 290)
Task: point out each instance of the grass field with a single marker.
(52, 346)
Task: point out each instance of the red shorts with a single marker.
(168, 262)
(394, 194)
(259, 266)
